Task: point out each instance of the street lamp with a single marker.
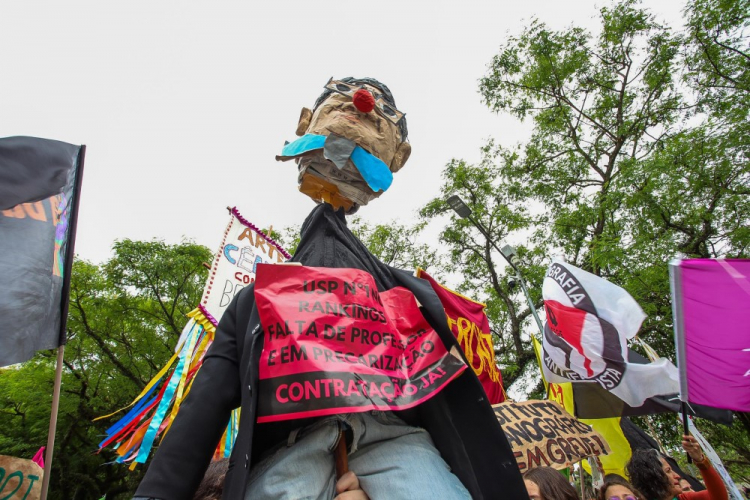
(508, 252)
(461, 208)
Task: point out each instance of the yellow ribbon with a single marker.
(154, 381)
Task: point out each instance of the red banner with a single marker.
(469, 323)
(334, 344)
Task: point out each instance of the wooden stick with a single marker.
(53, 422)
(342, 459)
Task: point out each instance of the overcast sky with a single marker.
(183, 105)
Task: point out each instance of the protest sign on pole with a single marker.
(542, 433)
(243, 247)
(334, 344)
(20, 479)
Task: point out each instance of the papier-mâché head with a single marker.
(351, 143)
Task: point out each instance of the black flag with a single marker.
(39, 186)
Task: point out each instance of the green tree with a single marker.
(634, 158)
(125, 318)
(397, 244)
(599, 105)
(717, 56)
(499, 204)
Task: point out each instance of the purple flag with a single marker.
(711, 304)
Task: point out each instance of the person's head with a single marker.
(617, 488)
(685, 485)
(653, 475)
(546, 483)
(212, 485)
(364, 111)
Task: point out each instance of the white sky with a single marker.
(183, 105)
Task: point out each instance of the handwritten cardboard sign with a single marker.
(542, 433)
(334, 344)
(20, 479)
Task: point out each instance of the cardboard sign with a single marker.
(542, 433)
(334, 344)
(20, 479)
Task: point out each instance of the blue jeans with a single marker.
(392, 460)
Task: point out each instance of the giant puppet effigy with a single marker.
(336, 350)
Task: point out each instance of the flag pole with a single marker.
(675, 285)
(580, 470)
(65, 296)
(53, 421)
(685, 429)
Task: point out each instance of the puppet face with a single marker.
(348, 145)
(375, 131)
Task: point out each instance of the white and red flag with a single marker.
(589, 321)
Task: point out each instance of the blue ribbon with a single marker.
(166, 400)
(124, 421)
(161, 411)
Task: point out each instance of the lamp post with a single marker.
(508, 252)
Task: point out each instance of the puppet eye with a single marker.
(341, 87)
(388, 110)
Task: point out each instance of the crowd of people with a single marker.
(651, 478)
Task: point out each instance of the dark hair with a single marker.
(373, 83)
(212, 485)
(616, 479)
(646, 474)
(552, 484)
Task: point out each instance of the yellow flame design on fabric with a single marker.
(468, 331)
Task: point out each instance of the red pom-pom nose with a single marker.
(363, 101)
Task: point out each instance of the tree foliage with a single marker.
(717, 58)
(497, 203)
(124, 321)
(638, 154)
